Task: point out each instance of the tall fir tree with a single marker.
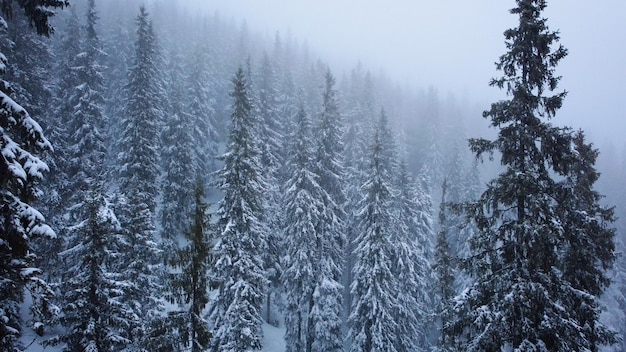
(304, 209)
(21, 168)
(143, 116)
(443, 267)
(138, 163)
(372, 319)
(326, 312)
(589, 248)
(190, 287)
(21, 140)
(272, 160)
(68, 48)
(235, 315)
(117, 37)
(410, 268)
(520, 298)
(358, 120)
(412, 231)
(434, 137)
(86, 148)
(29, 73)
(201, 107)
(177, 157)
(93, 315)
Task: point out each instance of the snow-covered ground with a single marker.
(273, 338)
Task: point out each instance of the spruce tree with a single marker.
(143, 115)
(86, 125)
(202, 109)
(356, 165)
(412, 240)
(235, 315)
(589, 248)
(21, 143)
(326, 312)
(138, 162)
(57, 201)
(29, 73)
(189, 287)
(117, 37)
(304, 207)
(93, 314)
(177, 157)
(272, 160)
(443, 267)
(519, 299)
(372, 318)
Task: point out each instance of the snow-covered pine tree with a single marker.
(118, 38)
(373, 324)
(455, 172)
(138, 162)
(272, 160)
(235, 315)
(189, 287)
(434, 137)
(412, 240)
(443, 267)
(138, 157)
(326, 313)
(93, 315)
(29, 70)
(201, 107)
(86, 148)
(57, 201)
(270, 126)
(21, 140)
(360, 120)
(589, 248)
(305, 209)
(518, 300)
(29, 73)
(177, 157)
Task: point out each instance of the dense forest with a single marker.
(178, 182)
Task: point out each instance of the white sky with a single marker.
(453, 44)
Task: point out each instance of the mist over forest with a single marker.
(185, 176)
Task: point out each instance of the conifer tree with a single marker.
(272, 160)
(589, 248)
(143, 115)
(326, 312)
(177, 157)
(93, 315)
(138, 162)
(31, 57)
(21, 142)
(412, 239)
(118, 38)
(372, 319)
(444, 274)
(202, 109)
(235, 315)
(189, 287)
(519, 300)
(57, 201)
(434, 158)
(86, 149)
(304, 206)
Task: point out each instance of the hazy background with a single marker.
(453, 44)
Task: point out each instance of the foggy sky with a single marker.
(453, 44)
